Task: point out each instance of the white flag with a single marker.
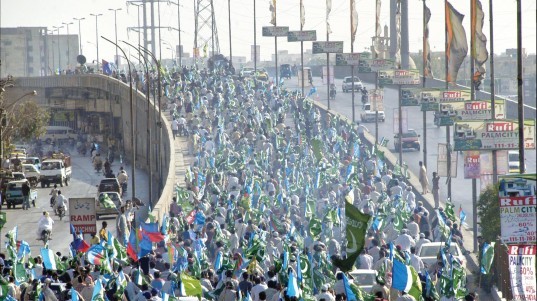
(328, 10)
(354, 21)
(302, 15)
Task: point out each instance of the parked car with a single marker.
(365, 279)
(429, 252)
(411, 140)
(347, 84)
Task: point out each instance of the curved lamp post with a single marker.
(159, 123)
(97, 39)
(149, 161)
(133, 150)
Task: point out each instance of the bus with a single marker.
(58, 133)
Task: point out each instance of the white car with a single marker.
(430, 251)
(365, 279)
(347, 84)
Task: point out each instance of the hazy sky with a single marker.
(20, 13)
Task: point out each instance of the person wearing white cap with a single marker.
(405, 241)
(420, 242)
(325, 294)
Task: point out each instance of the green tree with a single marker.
(24, 122)
(488, 208)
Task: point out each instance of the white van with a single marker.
(58, 133)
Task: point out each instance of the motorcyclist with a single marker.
(44, 224)
(97, 162)
(364, 96)
(122, 178)
(332, 90)
(53, 194)
(61, 202)
(107, 166)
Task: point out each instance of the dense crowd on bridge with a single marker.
(268, 203)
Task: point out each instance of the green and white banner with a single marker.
(492, 135)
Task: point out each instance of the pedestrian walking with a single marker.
(424, 181)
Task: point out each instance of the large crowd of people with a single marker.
(261, 214)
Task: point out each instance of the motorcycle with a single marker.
(45, 236)
(61, 212)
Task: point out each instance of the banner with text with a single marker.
(522, 271)
(410, 97)
(492, 135)
(367, 65)
(327, 47)
(518, 207)
(302, 36)
(82, 215)
(472, 168)
(399, 77)
(450, 112)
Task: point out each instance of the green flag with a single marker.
(459, 280)
(449, 211)
(315, 228)
(356, 227)
(106, 201)
(487, 257)
(191, 285)
(316, 145)
(415, 289)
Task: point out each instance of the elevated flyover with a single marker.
(105, 101)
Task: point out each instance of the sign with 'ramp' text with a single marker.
(82, 215)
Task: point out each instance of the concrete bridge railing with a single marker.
(103, 94)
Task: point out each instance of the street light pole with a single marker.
(59, 52)
(68, 47)
(178, 52)
(116, 60)
(97, 38)
(229, 24)
(79, 33)
(133, 138)
(148, 117)
(159, 123)
(51, 32)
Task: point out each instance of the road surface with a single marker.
(461, 188)
(83, 184)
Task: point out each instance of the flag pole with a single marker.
(492, 93)
(448, 132)
(327, 63)
(472, 98)
(352, 66)
(424, 46)
(521, 159)
(302, 48)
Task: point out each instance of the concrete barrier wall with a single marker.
(106, 88)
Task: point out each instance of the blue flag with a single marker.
(107, 68)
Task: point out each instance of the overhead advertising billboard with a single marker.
(275, 31)
(399, 77)
(301, 36)
(492, 135)
(367, 65)
(518, 207)
(327, 47)
(449, 112)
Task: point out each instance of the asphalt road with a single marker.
(461, 188)
(83, 184)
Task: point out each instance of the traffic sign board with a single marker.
(302, 35)
(275, 31)
(327, 47)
